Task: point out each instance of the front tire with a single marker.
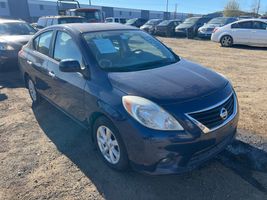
(109, 144)
(226, 41)
(33, 93)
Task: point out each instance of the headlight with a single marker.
(6, 47)
(150, 114)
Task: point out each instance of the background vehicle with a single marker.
(90, 14)
(191, 26)
(150, 26)
(115, 20)
(53, 20)
(206, 30)
(137, 22)
(13, 35)
(167, 27)
(246, 32)
(172, 134)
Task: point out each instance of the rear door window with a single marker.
(42, 42)
(42, 22)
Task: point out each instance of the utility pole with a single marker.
(167, 5)
(258, 7)
(175, 11)
(90, 3)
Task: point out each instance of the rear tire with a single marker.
(227, 41)
(109, 144)
(36, 98)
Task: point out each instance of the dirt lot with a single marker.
(45, 155)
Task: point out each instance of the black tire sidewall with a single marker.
(224, 37)
(123, 162)
(38, 98)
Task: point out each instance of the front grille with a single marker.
(211, 118)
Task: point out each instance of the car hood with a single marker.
(179, 82)
(146, 26)
(16, 40)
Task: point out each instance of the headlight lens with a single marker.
(150, 114)
(6, 47)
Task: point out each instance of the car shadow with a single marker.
(253, 48)
(205, 182)
(3, 97)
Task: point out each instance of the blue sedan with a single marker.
(145, 106)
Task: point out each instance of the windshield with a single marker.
(91, 16)
(71, 20)
(109, 20)
(130, 50)
(16, 28)
(153, 22)
(191, 20)
(219, 20)
(131, 21)
(164, 23)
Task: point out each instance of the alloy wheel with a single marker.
(32, 90)
(108, 145)
(226, 41)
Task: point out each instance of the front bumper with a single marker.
(204, 35)
(8, 60)
(170, 152)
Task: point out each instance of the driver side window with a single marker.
(65, 48)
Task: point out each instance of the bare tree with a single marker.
(231, 9)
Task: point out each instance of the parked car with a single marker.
(98, 74)
(167, 27)
(191, 26)
(150, 26)
(137, 22)
(247, 32)
(53, 20)
(13, 35)
(206, 30)
(115, 20)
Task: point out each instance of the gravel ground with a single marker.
(45, 155)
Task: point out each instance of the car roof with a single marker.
(93, 27)
(10, 21)
(253, 19)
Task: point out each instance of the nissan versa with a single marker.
(145, 106)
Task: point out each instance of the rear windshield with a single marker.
(16, 28)
(153, 22)
(128, 50)
(71, 20)
(90, 16)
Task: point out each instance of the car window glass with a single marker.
(65, 48)
(259, 25)
(43, 44)
(116, 20)
(42, 22)
(49, 22)
(245, 25)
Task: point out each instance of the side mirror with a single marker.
(69, 65)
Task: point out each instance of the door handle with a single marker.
(29, 62)
(52, 74)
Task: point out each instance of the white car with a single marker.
(247, 32)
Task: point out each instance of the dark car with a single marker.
(137, 22)
(145, 106)
(206, 30)
(167, 27)
(190, 26)
(150, 26)
(13, 35)
(54, 20)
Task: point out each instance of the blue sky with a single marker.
(190, 6)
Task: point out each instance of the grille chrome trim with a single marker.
(230, 118)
